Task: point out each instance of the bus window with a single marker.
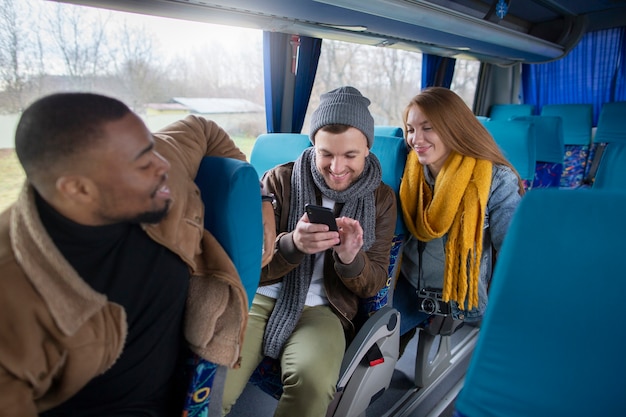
(392, 76)
(389, 76)
(465, 79)
(212, 70)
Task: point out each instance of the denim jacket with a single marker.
(501, 204)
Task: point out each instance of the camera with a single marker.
(429, 301)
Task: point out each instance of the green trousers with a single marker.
(310, 360)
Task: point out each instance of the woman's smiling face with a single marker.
(421, 137)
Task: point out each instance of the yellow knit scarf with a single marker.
(461, 184)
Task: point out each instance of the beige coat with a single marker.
(56, 333)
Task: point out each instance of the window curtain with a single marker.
(274, 69)
(437, 71)
(489, 89)
(620, 73)
(306, 68)
(277, 54)
(597, 62)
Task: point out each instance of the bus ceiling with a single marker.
(495, 31)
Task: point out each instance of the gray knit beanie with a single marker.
(345, 106)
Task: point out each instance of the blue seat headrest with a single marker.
(273, 149)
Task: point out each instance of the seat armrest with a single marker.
(384, 323)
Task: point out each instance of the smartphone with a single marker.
(323, 215)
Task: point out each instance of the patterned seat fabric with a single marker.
(547, 175)
(574, 165)
(202, 373)
(577, 121)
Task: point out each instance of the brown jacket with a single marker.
(344, 284)
(56, 333)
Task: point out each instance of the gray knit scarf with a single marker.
(358, 203)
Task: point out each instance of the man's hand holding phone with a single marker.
(318, 230)
(311, 236)
(321, 215)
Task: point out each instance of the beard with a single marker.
(151, 217)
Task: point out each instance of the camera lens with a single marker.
(429, 305)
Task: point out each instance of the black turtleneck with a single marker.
(151, 283)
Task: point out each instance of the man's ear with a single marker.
(77, 188)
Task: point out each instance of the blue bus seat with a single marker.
(380, 130)
(516, 139)
(510, 111)
(612, 168)
(611, 129)
(232, 214)
(271, 149)
(230, 191)
(550, 150)
(612, 123)
(391, 152)
(360, 382)
(577, 128)
(569, 360)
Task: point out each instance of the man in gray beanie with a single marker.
(346, 106)
(304, 311)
